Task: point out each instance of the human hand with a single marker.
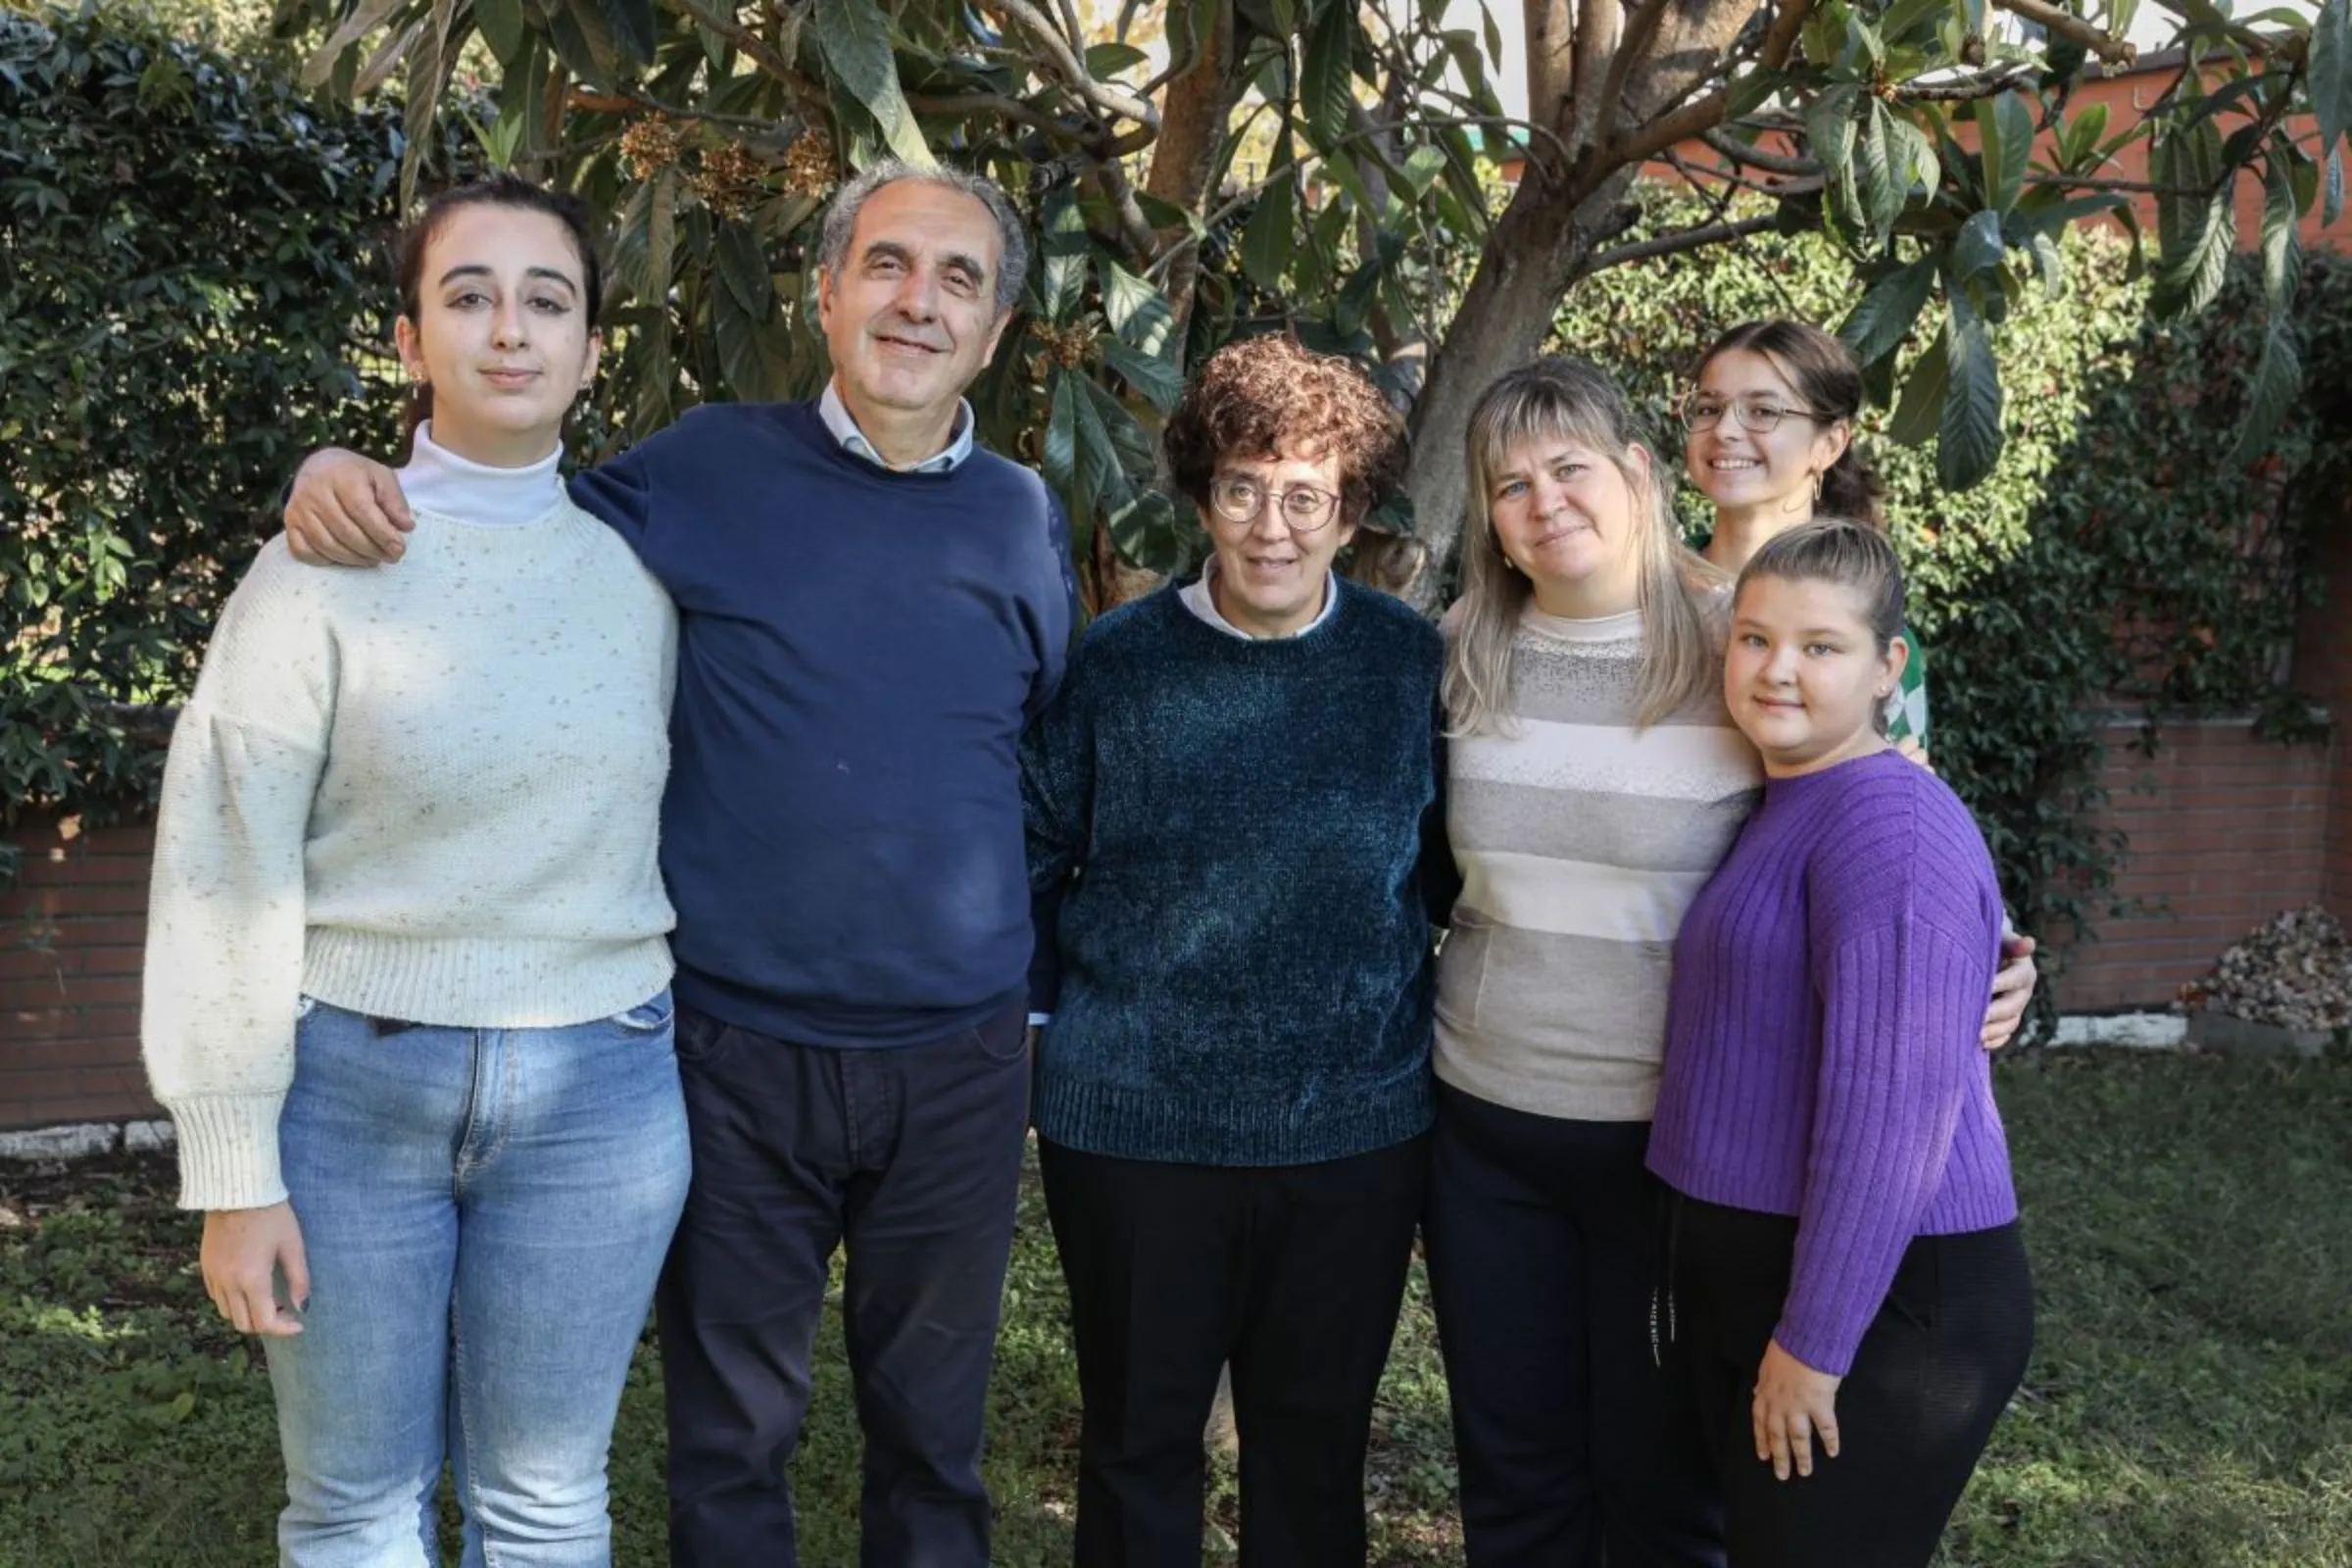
(346, 511)
(244, 1249)
(1793, 1405)
(2012, 991)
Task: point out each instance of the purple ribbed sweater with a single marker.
(1822, 1057)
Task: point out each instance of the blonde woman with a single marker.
(1594, 781)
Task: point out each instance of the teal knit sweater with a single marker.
(1226, 841)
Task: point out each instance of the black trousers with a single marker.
(1547, 1252)
(1292, 1273)
(911, 1157)
(1935, 1371)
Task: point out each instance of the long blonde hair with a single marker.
(1557, 398)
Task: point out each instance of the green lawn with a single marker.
(2191, 1404)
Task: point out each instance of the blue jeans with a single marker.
(484, 1214)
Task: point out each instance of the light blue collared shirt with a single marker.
(836, 416)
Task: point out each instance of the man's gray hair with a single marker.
(841, 219)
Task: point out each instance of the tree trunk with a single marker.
(1534, 252)
(1191, 136)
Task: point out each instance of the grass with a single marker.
(2190, 1403)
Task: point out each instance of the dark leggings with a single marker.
(1934, 1370)
(1578, 1439)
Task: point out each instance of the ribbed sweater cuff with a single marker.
(228, 1151)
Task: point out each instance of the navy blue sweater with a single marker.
(859, 652)
(1225, 840)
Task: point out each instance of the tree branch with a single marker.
(993, 103)
(1244, 197)
(1630, 49)
(2066, 24)
(1707, 113)
(1684, 239)
(1109, 99)
(1985, 84)
(723, 23)
(1598, 26)
(1748, 156)
(1550, 42)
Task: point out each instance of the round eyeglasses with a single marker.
(1238, 499)
(1757, 415)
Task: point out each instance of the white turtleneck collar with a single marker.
(438, 480)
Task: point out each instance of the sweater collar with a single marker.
(836, 415)
(438, 480)
(1198, 599)
(1597, 629)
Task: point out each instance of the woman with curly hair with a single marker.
(1228, 807)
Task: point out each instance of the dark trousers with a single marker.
(1294, 1274)
(1547, 1252)
(911, 1157)
(1935, 1371)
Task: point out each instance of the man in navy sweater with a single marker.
(870, 610)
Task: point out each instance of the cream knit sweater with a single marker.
(426, 792)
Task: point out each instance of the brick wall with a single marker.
(71, 937)
(2226, 830)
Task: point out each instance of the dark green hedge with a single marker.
(189, 286)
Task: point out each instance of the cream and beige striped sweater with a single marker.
(1581, 843)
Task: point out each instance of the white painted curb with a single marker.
(82, 1140)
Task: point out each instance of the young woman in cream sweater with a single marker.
(407, 989)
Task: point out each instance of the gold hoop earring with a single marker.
(1817, 487)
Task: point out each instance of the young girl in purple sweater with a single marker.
(1849, 1272)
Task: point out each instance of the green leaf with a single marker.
(1160, 382)
(1146, 531)
(1921, 409)
(2190, 274)
(2281, 246)
(1063, 253)
(1969, 438)
(1107, 60)
(754, 345)
(1979, 244)
(1830, 137)
(364, 18)
(1914, 157)
(650, 285)
(1889, 307)
(1136, 311)
(429, 59)
(632, 23)
(1425, 163)
(2005, 133)
(2079, 144)
(2277, 381)
(2331, 188)
(2329, 71)
(2051, 261)
(502, 27)
(742, 270)
(855, 38)
(1057, 457)
(583, 43)
(1268, 236)
(1883, 185)
(1327, 75)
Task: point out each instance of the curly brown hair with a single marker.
(1265, 397)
